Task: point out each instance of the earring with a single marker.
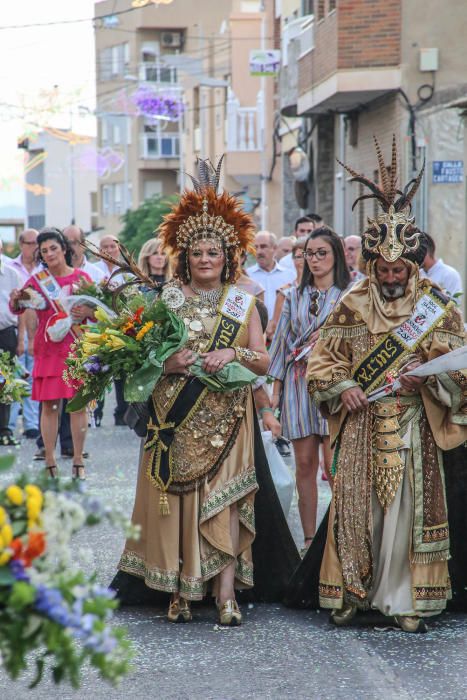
(226, 270)
(187, 267)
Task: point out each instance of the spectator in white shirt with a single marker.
(75, 237)
(269, 273)
(284, 247)
(353, 249)
(26, 265)
(437, 271)
(109, 244)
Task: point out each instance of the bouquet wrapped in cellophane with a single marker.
(131, 346)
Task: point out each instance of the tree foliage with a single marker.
(139, 225)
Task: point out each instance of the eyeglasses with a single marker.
(298, 256)
(320, 254)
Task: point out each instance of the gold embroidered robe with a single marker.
(388, 539)
(185, 550)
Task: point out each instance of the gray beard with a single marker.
(393, 291)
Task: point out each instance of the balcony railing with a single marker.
(158, 73)
(156, 146)
(244, 125)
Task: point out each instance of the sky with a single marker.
(41, 67)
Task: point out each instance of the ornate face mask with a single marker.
(393, 233)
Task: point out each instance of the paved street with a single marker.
(277, 653)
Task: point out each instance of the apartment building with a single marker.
(376, 67)
(173, 84)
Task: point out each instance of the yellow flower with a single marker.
(2, 543)
(101, 315)
(142, 332)
(2, 516)
(90, 349)
(6, 533)
(35, 492)
(114, 343)
(33, 508)
(15, 495)
(5, 558)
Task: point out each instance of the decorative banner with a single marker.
(265, 62)
(72, 138)
(104, 161)
(152, 104)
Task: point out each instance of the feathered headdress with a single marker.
(203, 214)
(392, 234)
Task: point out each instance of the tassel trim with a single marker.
(348, 332)
(164, 508)
(430, 557)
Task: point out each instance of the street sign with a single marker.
(265, 62)
(448, 171)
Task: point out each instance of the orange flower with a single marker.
(35, 547)
(137, 315)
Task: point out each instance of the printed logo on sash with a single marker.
(236, 304)
(389, 353)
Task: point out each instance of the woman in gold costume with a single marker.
(197, 481)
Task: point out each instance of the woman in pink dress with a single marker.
(48, 385)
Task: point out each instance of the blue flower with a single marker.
(18, 570)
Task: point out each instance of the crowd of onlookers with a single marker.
(299, 279)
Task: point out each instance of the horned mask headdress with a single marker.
(392, 233)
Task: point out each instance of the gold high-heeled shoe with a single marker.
(344, 616)
(411, 623)
(179, 611)
(229, 614)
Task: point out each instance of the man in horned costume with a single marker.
(387, 544)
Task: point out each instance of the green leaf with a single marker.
(39, 672)
(6, 462)
(6, 577)
(22, 594)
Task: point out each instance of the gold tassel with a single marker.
(164, 504)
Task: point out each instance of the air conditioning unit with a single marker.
(171, 39)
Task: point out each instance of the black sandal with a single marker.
(77, 472)
(52, 470)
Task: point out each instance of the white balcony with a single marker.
(156, 146)
(244, 127)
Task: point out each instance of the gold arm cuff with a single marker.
(246, 355)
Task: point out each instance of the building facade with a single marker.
(173, 84)
(378, 67)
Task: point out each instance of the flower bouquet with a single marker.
(50, 610)
(13, 386)
(133, 346)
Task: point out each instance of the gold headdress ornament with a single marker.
(392, 234)
(204, 215)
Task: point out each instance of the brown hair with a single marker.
(341, 271)
(151, 247)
